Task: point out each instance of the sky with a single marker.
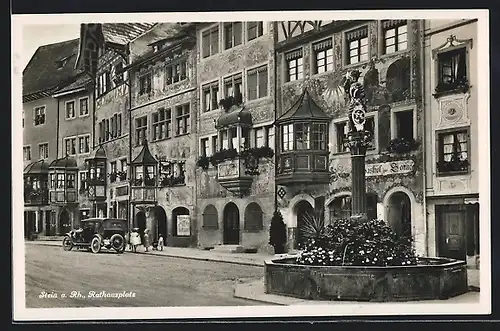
(38, 35)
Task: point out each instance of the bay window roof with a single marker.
(98, 153)
(145, 157)
(236, 116)
(38, 167)
(304, 109)
(64, 163)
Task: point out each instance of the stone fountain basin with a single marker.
(433, 278)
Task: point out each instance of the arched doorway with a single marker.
(64, 222)
(399, 213)
(161, 223)
(140, 222)
(304, 210)
(231, 231)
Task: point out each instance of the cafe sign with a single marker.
(389, 168)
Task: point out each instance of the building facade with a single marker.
(314, 172)
(50, 69)
(451, 139)
(163, 135)
(235, 76)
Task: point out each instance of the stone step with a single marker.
(228, 249)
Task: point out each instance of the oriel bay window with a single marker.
(63, 174)
(96, 181)
(144, 174)
(303, 154)
(36, 183)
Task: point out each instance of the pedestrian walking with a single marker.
(135, 239)
(146, 240)
(127, 241)
(160, 242)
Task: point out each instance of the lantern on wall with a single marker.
(144, 176)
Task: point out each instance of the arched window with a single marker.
(210, 218)
(253, 217)
(182, 222)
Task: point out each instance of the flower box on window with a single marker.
(112, 177)
(122, 175)
(460, 86)
(203, 162)
(456, 166)
(402, 145)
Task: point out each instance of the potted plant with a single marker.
(203, 162)
(277, 233)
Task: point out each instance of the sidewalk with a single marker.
(255, 291)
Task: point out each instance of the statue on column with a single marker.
(358, 137)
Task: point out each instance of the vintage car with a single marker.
(96, 233)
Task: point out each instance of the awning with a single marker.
(236, 117)
(471, 201)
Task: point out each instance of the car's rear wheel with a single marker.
(95, 245)
(67, 243)
(117, 242)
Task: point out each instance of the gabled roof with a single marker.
(145, 156)
(123, 33)
(37, 167)
(49, 68)
(305, 108)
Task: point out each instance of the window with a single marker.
(294, 65)
(145, 82)
(70, 181)
(39, 116)
(225, 139)
(108, 132)
(210, 217)
(323, 55)
(341, 130)
(27, 153)
(260, 137)
(70, 110)
(404, 125)
(84, 106)
(123, 165)
(112, 170)
(205, 147)
(119, 125)
(141, 126)
(395, 35)
(319, 136)
(302, 134)
(175, 172)
(112, 127)
(181, 226)
(287, 134)
(453, 152)
(253, 217)
(232, 86)
(210, 42)
(83, 181)
(357, 42)
(210, 96)
(101, 134)
(215, 144)
(84, 144)
(233, 32)
(60, 181)
(103, 83)
(270, 136)
(182, 117)
(257, 83)
(254, 30)
(452, 69)
(43, 151)
(175, 72)
(162, 124)
(118, 73)
(70, 145)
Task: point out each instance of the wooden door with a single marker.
(452, 237)
(231, 225)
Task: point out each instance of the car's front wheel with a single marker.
(67, 243)
(117, 242)
(95, 245)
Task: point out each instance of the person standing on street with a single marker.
(160, 242)
(146, 240)
(135, 239)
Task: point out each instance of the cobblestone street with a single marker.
(156, 281)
